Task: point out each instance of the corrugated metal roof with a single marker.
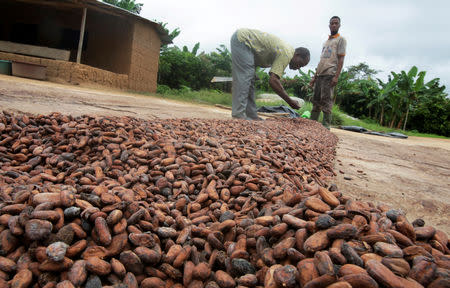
(106, 8)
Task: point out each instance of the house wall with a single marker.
(144, 58)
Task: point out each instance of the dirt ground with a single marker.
(412, 174)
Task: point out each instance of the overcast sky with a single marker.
(387, 35)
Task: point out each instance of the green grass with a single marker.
(203, 96)
(371, 125)
(212, 97)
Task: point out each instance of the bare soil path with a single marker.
(412, 174)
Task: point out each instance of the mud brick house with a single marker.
(85, 42)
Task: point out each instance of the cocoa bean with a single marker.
(342, 231)
(323, 263)
(423, 272)
(286, 276)
(38, 229)
(248, 280)
(22, 279)
(152, 282)
(397, 265)
(307, 271)
(280, 249)
(317, 205)
(349, 269)
(360, 280)
(328, 197)
(382, 274)
(317, 241)
(321, 281)
(131, 262)
(388, 250)
(56, 251)
(224, 280)
(340, 284)
(98, 266)
(269, 280)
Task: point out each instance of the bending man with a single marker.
(250, 49)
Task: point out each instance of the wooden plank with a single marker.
(223, 106)
(221, 79)
(32, 50)
(80, 42)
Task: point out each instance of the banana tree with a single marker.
(369, 90)
(380, 100)
(409, 88)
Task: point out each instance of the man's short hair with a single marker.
(303, 52)
(336, 17)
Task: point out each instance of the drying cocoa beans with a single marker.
(119, 202)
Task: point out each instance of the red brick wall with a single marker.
(144, 58)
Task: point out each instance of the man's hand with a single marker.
(311, 83)
(275, 83)
(294, 104)
(334, 81)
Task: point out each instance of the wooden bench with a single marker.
(32, 50)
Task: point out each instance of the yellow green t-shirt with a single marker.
(269, 50)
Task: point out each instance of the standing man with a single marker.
(327, 73)
(250, 49)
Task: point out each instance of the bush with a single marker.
(336, 118)
(163, 89)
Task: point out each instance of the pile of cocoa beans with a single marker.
(120, 202)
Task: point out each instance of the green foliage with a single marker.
(129, 5)
(299, 85)
(183, 67)
(262, 81)
(221, 61)
(361, 71)
(172, 34)
(203, 96)
(163, 89)
(402, 98)
(431, 111)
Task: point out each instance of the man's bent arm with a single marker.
(275, 83)
(338, 69)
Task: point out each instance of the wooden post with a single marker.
(80, 43)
